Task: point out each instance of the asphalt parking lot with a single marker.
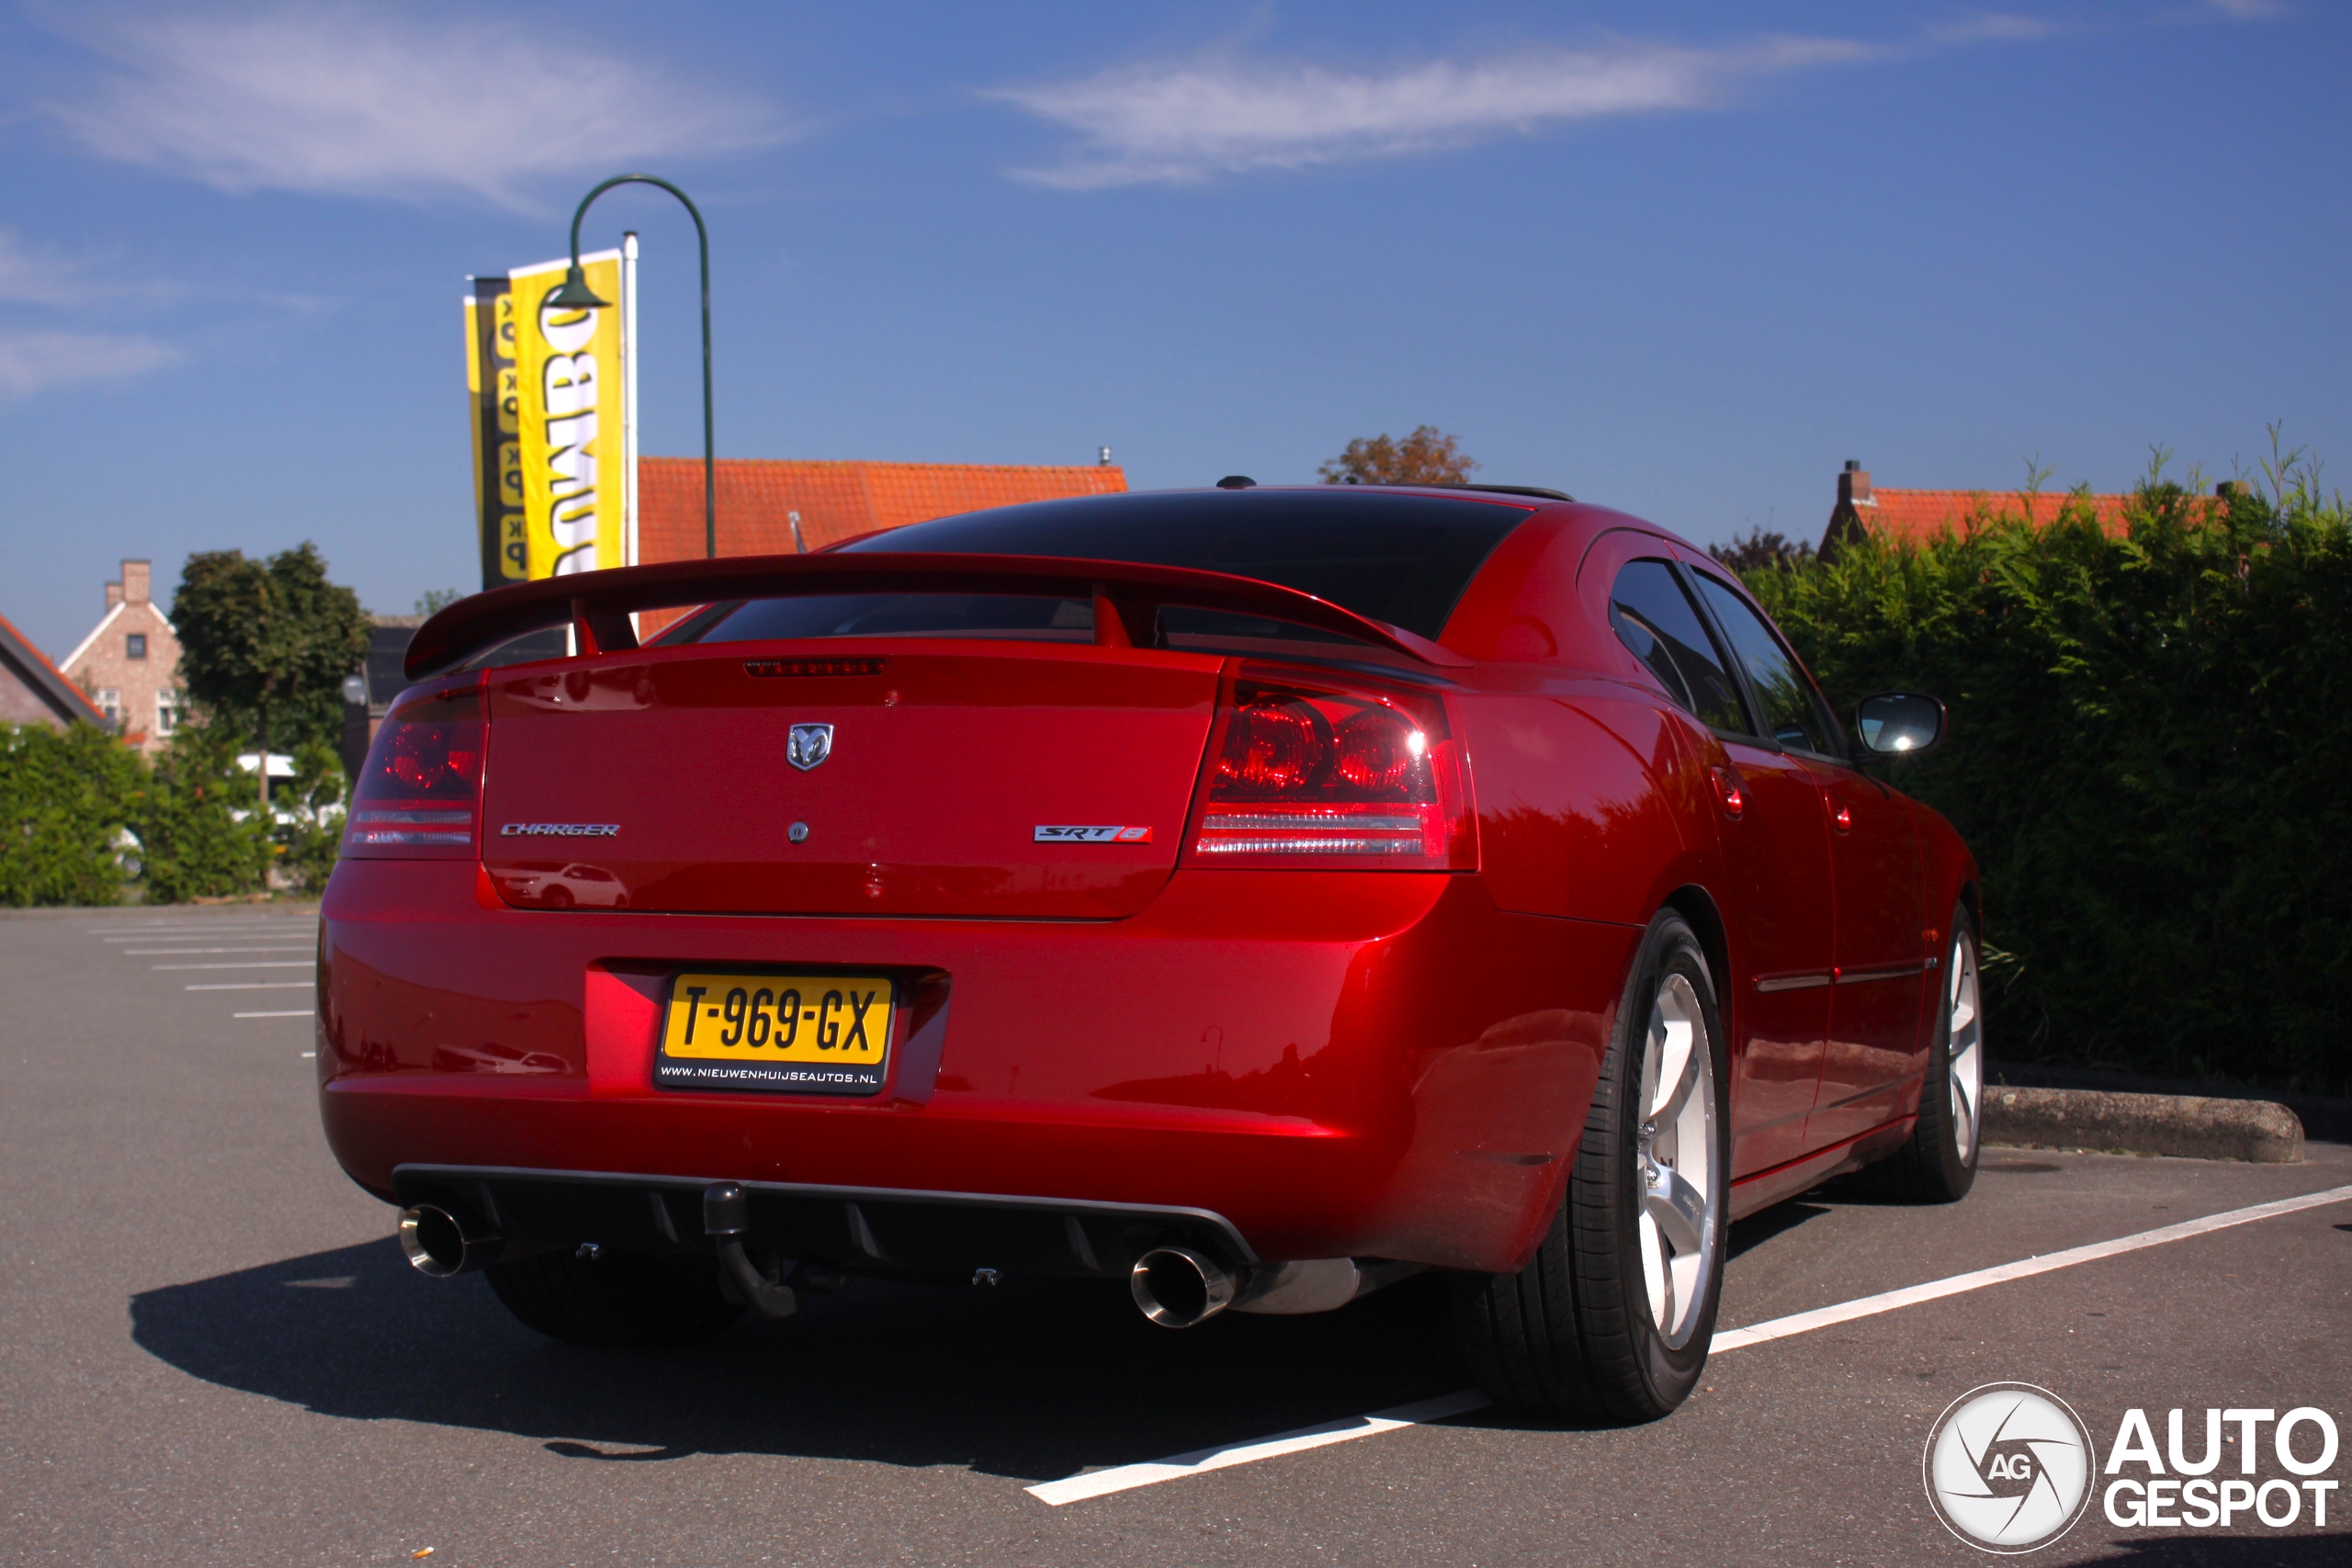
(214, 1354)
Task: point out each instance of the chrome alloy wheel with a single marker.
(1676, 1161)
(1966, 1046)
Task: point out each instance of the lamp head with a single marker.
(574, 293)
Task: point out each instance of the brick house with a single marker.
(34, 691)
(129, 663)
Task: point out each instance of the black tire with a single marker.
(1573, 1337)
(1938, 1163)
(619, 1299)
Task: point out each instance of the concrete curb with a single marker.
(2324, 1120)
(2192, 1127)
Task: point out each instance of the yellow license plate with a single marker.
(798, 1034)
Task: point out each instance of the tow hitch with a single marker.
(726, 1220)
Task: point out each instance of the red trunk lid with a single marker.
(661, 780)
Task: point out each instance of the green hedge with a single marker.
(82, 816)
(191, 841)
(64, 797)
(2150, 754)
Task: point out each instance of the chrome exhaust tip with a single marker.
(1177, 1287)
(437, 1247)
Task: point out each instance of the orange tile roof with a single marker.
(836, 500)
(1914, 516)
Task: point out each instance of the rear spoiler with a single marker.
(1127, 596)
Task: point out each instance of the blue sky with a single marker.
(1680, 259)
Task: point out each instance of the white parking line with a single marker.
(186, 951)
(206, 927)
(2025, 1269)
(286, 964)
(1126, 1477)
(191, 922)
(255, 986)
(297, 1012)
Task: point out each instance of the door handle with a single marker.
(1730, 793)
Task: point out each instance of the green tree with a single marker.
(1427, 456)
(1756, 549)
(65, 796)
(264, 646)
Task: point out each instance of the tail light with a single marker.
(1305, 772)
(420, 790)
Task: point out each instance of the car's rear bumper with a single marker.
(1332, 1064)
(888, 1230)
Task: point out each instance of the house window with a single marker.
(111, 704)
(167, 712)
(135, 645)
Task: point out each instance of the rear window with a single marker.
(1400, 558)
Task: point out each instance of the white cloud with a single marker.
(1991, 27)
(30, 361)
(385, 101)
(36, 274)
(1182, 123)
(42, 275)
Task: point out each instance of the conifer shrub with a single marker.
(2150, 747)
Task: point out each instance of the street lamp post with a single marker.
(574, 293)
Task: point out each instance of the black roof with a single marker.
(40, 677)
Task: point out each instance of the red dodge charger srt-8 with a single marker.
(1257, 894)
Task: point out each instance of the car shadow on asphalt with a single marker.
(1035, 1379)
(1757, 1229)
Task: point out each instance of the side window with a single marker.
(1794, 714)
(1655, 618)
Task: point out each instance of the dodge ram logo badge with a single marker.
(807, 745)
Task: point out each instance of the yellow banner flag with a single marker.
(570, 437)
(494, 411)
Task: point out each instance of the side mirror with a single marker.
(1899, 724)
